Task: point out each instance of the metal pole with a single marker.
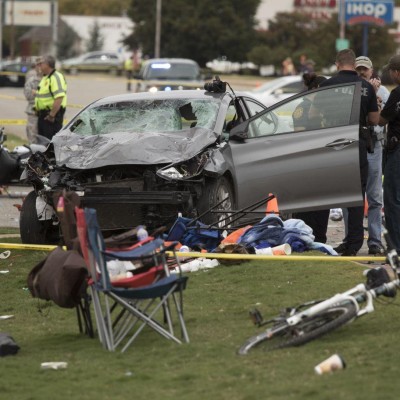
(158, 29)
(54, 25)
(365, 40)
(12, 32)
(342, 19)
(1, 30)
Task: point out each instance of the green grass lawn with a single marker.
(14, 140)
(216, 310)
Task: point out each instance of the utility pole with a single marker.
(158, 29)
(12, 31)
(1, 30)
(342, 19)
(54, 27)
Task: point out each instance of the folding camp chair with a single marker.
(124, 308)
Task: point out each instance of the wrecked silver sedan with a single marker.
(144, 158)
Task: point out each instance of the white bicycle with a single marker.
(299, 325)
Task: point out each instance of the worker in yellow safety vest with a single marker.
(50, 97)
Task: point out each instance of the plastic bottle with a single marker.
(142, 233)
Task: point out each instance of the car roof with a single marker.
(165, 95)
(171, 60)
(162, 95)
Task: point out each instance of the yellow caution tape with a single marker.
(12, 73)
(291, 257)
(250, 257)
(8, 97)
(20, 246)
(19, 121)
(12, 121)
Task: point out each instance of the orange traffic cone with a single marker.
(272, 205)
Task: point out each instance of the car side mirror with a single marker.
(239, 132)
(278, 92)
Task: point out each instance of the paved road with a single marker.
(9, 214)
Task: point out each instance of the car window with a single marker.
(230, 118)
(253, 107)
(327, 108)
(93, 58)
(293, 87)
(146, 116)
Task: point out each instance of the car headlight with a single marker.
(185, 170)
(170, 173)
(153, 89)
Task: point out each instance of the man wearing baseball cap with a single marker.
(365, 69)
(390, 115)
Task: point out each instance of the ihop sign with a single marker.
(370, 12)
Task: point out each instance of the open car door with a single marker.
(308, 168)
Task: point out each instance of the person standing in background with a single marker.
(32, 80)
(288, 67)
(364, 69)
(51, 98)
(301, 67)
(128, 68)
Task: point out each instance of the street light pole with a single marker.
(158, 29)
(54, 28)
(342, 19)
(1, 30)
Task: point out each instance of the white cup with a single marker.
(54, 365)
(266, 250)
(283, 249)
(333, 363)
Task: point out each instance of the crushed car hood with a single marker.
(122, 148)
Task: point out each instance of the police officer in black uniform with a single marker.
(369, 115)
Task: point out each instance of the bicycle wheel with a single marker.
(283, 335)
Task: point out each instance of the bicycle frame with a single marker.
(356, 295)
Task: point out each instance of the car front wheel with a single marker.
(217, 192)
(32, 230)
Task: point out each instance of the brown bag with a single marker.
(60, 277)
(231, 248)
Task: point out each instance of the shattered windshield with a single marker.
(152, 115)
